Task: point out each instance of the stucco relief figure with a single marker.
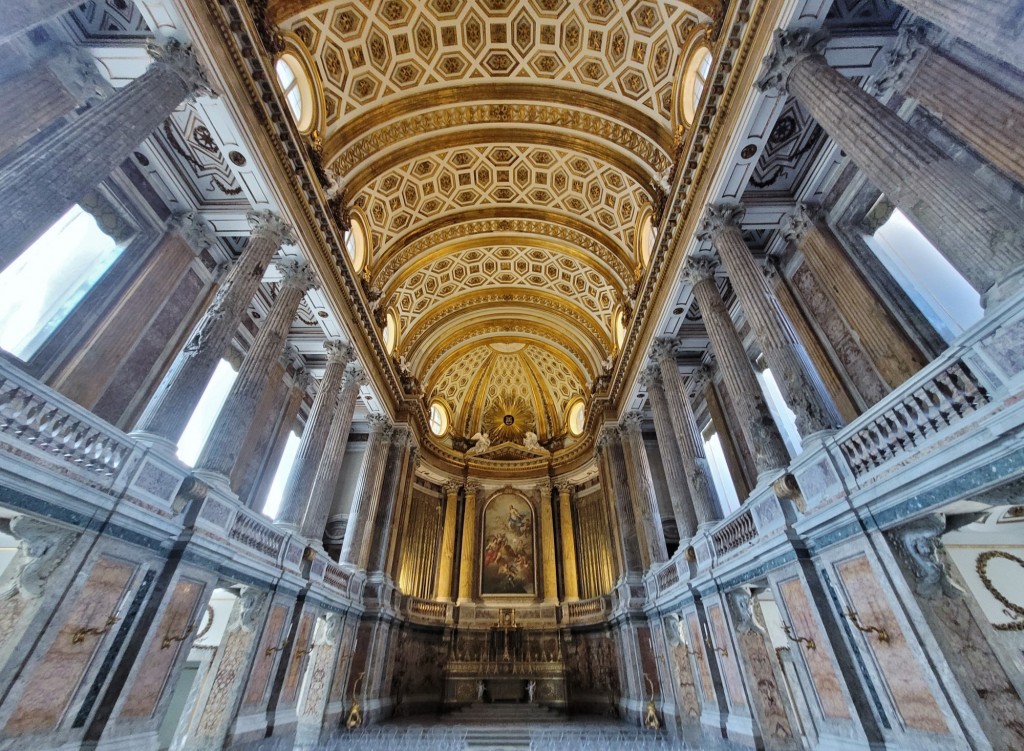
(483, 443)
(532, 441)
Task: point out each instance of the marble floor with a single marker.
(516, 727)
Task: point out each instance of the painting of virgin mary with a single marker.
(508, 564)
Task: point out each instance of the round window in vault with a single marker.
(577, 418)
(297, 90)
(438, 418)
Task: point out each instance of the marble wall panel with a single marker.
(153, 670)
(896, 662)
(707, 686)
(345, 652)
(687, 683)
(227, 679)
(57, 676)
(730, 669)
(298, 655)
(263, 663)
(819, 662)
(756, 658)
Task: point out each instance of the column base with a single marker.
(157, 443)
(216, 481)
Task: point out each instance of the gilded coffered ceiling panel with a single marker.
(501, 158)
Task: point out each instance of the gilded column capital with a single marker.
(452, 487)
(472, 488)
(181, 60)
(564, 488)
(699, 269)
(719, 218)
(270, 226)
(791, 47)
(298, 274)
(193, 229)
(803, 218)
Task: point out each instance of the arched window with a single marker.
(438, 418)
(620, 327)
(695, 80)
(298, 91)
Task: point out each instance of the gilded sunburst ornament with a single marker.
(508, 419)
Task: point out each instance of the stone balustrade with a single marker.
(583, 612)
(737, 531)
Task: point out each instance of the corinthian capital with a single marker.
(297, 273)
(633, 422)
(650, 377)
(719, 217)
(268, 225)
(699, 269)
(791, 47)
(339, 351)
(802, 220)
(193, 229)
(664, 348)
(181, 60)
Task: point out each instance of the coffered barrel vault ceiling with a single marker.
(501, 154)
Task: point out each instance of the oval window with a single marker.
(355, 244)
(577, 418)
(620, 328)
(296, 89)
(390, 332)
(695, 80)
(438, 419)
(648, 234)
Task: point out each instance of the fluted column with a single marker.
(44, 177)
(467, 564)
(984, 115)
(609, 445)
(894, 357)
(696, 469)
(314, 521)
(671, 460)
(443, 590)
(175, 400)
(638, 470)
(547, 537)
(756, 420)
(222, 445)
(569, 577)
(979, 233)
(786, 355)
(994, 26)
(298, 489)
(23, 15)
(371, 474)
(384, 519)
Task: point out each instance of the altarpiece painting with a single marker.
(508, 566)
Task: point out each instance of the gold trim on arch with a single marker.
(510, 212)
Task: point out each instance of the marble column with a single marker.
(467, 564)
(23, 15)
(697, 471)
(787, 357)
(298, 489)
(62, 78)
(645, 505)
(253, 489)
(371, 474)
(979, 233)
(985, 116)
(443, 590)
(384, 520)
(222, 445)
(314, 521)
(616, 484)
(44, 177)
(547, 539)
(993, 26)
(759, 428)
(174, 402)
(569, 577)
(671, 459)
(892, 354)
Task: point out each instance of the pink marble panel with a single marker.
(697, 645)
(899, 666)
(298, 656)
(731, 671)
(262, 664)
(157, 661)
(57, 675)
(819, 660)
(347, 645)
